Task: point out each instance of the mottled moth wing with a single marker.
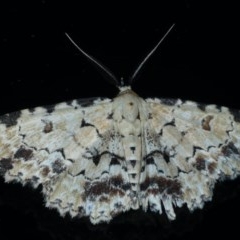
(99, 158)
(71, 149)
(189, 147)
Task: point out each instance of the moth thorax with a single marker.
(129, 106)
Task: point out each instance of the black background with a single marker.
(39, 66)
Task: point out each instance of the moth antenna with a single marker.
(140, 66)
(108, 75)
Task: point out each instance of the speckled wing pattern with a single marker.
(189, 147)
(100, 157)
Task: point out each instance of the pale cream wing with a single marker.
(188, 148)
(73, 150)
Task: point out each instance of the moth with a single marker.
(101, 157)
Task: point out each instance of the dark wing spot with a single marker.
(114, 161)
(82, 172)
(116, 192)
(126, 186)
(5, 165)
(150, 116)
(153, 191)
(94, 189)
(206, 122)
(110, 116)
(200, 163)
(58, 166)
(96, 159)
(10, 119)
(171, 186)
(83, 123)
(116, 181)
(146, 184)
(45, 171)
(114, 186)
(230, 149)
(150, 160)
(24, 153)
(183, 133)
(166, 156)
(48, 127)
(211, 167)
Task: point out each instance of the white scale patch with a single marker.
(99, 158)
